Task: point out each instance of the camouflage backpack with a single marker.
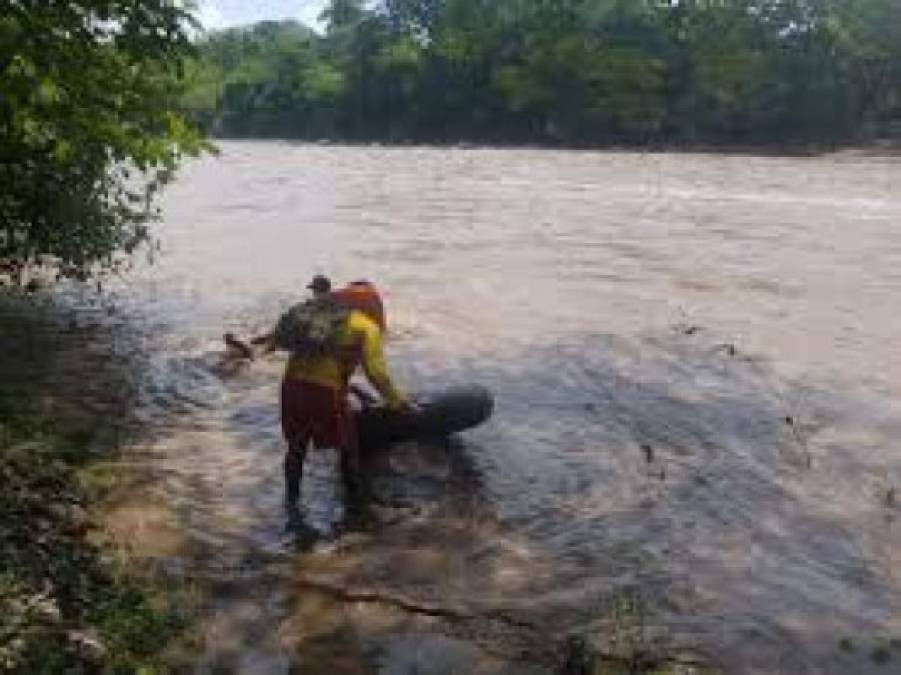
(312, 328)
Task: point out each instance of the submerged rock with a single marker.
(630, 651)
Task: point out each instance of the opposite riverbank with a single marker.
(880, 147)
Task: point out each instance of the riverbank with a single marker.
(71, 600)
(69, 603)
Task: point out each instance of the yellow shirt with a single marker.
(361, 341)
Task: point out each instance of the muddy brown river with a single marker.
(697, 435)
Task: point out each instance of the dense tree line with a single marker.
(569, 71)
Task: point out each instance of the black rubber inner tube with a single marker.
(438, 414)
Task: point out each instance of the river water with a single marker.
(696, 438)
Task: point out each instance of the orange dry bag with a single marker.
(362, 295)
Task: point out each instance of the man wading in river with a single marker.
(328, 337)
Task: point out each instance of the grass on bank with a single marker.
(67, 604)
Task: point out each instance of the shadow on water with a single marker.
(73, 366)
(754, 518)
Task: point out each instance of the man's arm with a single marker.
(376, 367)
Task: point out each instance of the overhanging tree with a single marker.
(88, 128)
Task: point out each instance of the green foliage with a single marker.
(569, 71)
(342, 14)
(325, 84)
(88, 131)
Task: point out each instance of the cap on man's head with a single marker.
(320, 284)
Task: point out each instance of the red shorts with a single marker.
(312, 412)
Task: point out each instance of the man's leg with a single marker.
(351, 473)
(294, 459)
(356, 487)
(295, 428)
